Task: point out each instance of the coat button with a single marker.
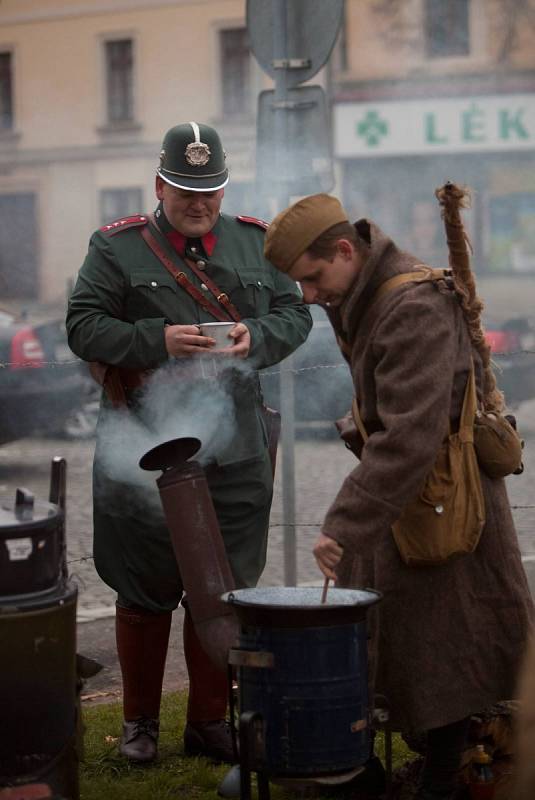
(439, 509)
(153, 284)
(259, 283)
(201, 264)
(204, 287)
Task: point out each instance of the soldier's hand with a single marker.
(186, 340)
(242, 341)
(328, 554)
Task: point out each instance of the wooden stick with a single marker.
(324, 592)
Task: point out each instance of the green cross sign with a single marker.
(372, 128)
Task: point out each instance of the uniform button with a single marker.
(204, 287)
(201, 264)
(193, 249)
(259, 283)
(153, 284)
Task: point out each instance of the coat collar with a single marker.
(178, 240)
(382, 259)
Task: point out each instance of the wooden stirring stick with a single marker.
(324, 592)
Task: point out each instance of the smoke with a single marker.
(194, 400)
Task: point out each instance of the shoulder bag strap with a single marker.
(221, 297)
(358, 419)
(183, 281)
(421, 273)
(468, 413)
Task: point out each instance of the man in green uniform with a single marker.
(128, 312)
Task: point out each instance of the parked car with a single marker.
(513, 349)
(323, 388)
(41, 382)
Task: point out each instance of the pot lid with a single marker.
(298, 597)
(26, 514)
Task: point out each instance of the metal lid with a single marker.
(294, 606)
(26, 515)
(301, 597)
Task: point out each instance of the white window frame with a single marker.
(103, 39)
(255, 84)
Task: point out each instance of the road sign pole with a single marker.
(291, 41)
(280, 54)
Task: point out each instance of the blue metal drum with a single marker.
(303, 667)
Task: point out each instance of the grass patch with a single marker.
(105, 775)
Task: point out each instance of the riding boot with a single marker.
(142, 640)
(207, 732)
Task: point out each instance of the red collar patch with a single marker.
(178, 240)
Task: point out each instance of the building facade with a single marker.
(419, 91)
(87, 90)
(426, 91)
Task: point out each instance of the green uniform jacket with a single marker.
(124, 296)
(122, 300)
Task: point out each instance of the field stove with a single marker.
(302, 674)
(301, 664)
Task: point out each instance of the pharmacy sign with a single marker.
(422, 127)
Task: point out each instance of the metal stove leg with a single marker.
(252, 755)
(388, 759)
(232, 710)
(263, 786)
(381, 719)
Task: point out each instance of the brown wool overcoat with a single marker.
(447, 640)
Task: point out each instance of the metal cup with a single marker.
(218, 331)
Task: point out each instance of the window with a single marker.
(235, 71)
(115, 203)
(446, 28)
(6, 91)
(119, 80)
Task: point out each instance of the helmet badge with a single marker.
(197, 154)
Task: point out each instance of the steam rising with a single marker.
(171, 406)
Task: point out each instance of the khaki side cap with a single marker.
(294, 229)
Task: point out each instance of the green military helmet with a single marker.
(192, 157)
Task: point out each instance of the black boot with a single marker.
(139, 741)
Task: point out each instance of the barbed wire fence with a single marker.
(499, 359)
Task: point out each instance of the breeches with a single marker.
(132, 548)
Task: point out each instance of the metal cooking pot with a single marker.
(32, 543)
(302, 666)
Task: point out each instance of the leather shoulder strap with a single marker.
(419, 275)
(466, 423)
(181, 278)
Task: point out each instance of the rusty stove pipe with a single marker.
(197, 544)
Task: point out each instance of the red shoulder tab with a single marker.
(254, 221)
(123, 223)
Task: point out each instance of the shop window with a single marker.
(6, 92)
(235, 71)
(115, 203)
(512, 233)
(119, 63)
(446, 27)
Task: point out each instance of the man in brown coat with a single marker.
(446, 640)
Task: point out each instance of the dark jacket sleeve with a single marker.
(277, 334)
(95, 321)
(416, 347)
